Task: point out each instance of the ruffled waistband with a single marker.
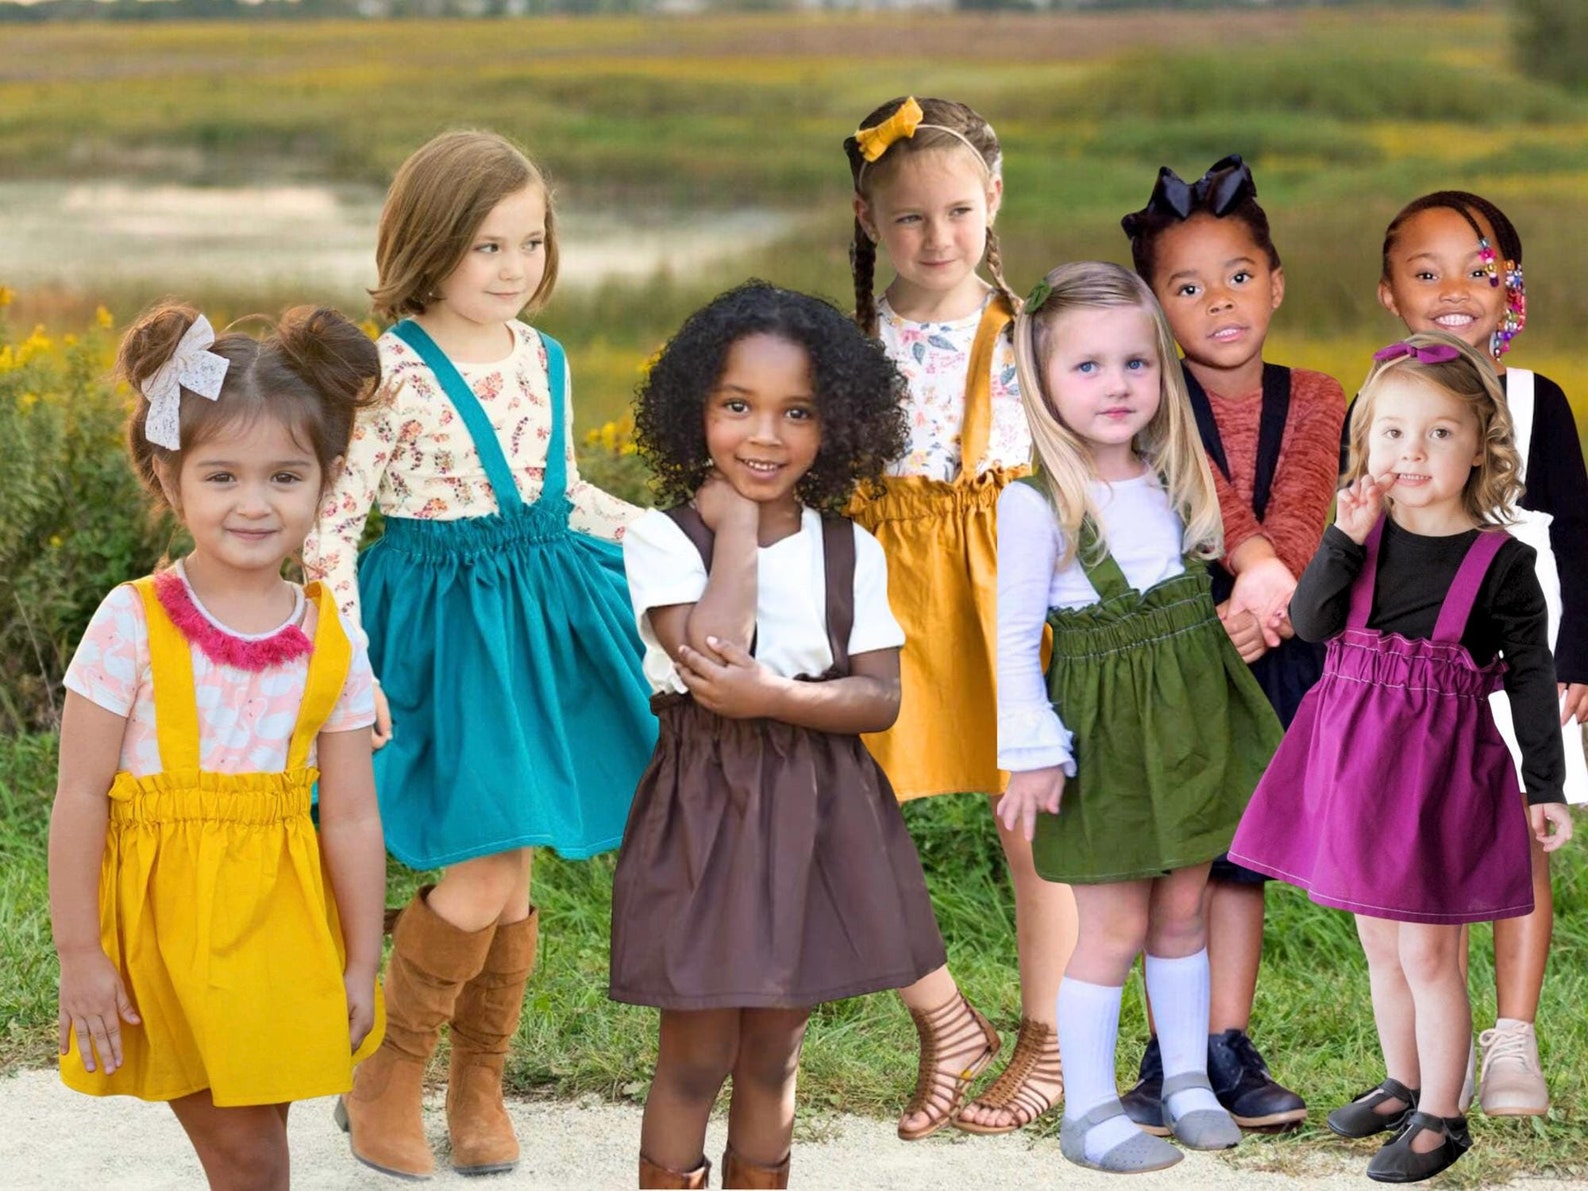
(1391, 660)
(911, 498)
(1175, 606)
(468, 538)
(248, 798)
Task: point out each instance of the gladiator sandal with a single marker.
(953, 1026)
(1035, 1061)
(431, 961)
(654, 1176)
(736, 1172)
(483, 1024)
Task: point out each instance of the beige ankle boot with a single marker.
(483, 1024)
(431, 961)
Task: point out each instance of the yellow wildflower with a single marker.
(6, 296)
(103, 317)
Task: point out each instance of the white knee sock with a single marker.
(1088, 1033)
(1180, 992)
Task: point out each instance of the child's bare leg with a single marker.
(1045, 928)
(1521, 948)
(695, 1055)
(1428, 957)
(1394, 1010)
(241, 1149)
(474, 894)
(761, 1116)
(1235, 951)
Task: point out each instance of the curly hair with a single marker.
(1492, 490)
(859, 394)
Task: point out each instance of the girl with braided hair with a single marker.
(928, 178)
(1453, 263)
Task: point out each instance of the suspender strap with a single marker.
(1103, 573)
(176, 719)
(978, 386)
(1270, 430)
(1463, 593)
(838, 568)
(328, 667)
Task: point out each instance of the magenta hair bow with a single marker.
(1439, 353)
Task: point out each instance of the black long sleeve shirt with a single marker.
(1508, 618)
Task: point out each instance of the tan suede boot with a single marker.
(483, 1024)
(654, 1176)
(736, 1172)
(431, 961)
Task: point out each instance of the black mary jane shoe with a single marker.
(1144, 1103)
(1357, 1119)
(1397, 1162)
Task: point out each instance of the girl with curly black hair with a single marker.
(766, 867)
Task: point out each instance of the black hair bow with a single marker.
(1227, 183)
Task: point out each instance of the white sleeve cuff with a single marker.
(1033, 737)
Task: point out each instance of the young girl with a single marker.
(500, 630)
(1146, 704)
(1453, 262)
(765, 867)
(1269, 431)
(1393, 795)
(207, 957)
(928, 180)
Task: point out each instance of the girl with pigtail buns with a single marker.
(217, 952)
(928, 179)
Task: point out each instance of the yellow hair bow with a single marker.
(874, 141)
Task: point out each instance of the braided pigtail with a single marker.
(863, 267)
(995, 266)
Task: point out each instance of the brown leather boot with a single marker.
(431, 961)
(483, 1024)
(654, 1176)
(736, 1172)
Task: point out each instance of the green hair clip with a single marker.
(1039, 294)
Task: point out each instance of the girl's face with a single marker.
(1104, 381)
(1437, 281)
(503, 266)
(1427, 441)
(248, 494)
(931, 215)
(1218, 290)
(762, 427)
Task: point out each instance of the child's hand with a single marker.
(1573, 702)
(94, 1003)
(1029, 792)
(719, 504)
(1546, 816)
(1357, 507)
(382, 733)
(1263, 590)
(360, 1006)
(1244, 633)
(733, 683)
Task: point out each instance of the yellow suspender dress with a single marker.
(942, 548)
(214, 906)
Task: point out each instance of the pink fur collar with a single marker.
(284, 645)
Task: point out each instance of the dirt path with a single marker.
(56, 1139)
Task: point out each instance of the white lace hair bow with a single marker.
(193, 367)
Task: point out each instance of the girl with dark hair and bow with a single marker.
(1453, 262)
(1393, 795)
(1269, 432)
(928, 179)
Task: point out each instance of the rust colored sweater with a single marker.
(1304, 481)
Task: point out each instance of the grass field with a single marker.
(1346, 113)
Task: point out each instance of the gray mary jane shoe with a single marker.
(1135, 1155)
(1201, 1128)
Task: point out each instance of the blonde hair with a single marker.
(945, 125)
(1495, 485)
(437, 202)
(1168, 444)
